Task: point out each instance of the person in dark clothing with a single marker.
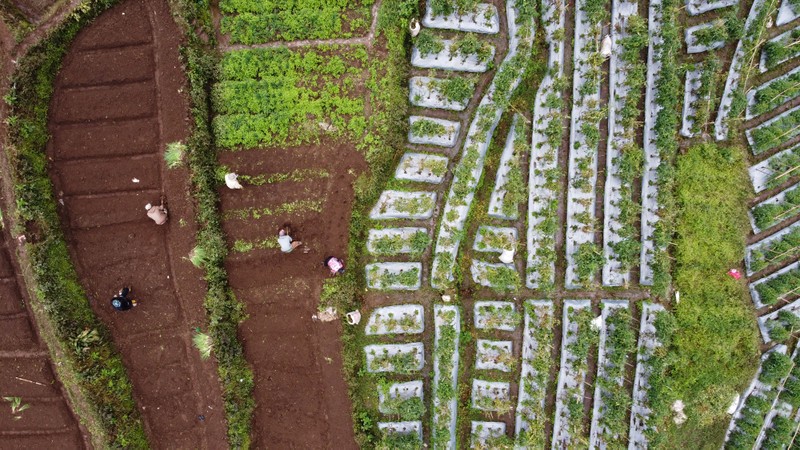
(121, 302)
(335, 265)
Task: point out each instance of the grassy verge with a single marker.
(224, 311)
(713, 353)
(88, 352)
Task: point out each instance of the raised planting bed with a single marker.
(782, 285)
(543, 173)
(432, 131)
(397, 432)
(468, 54)
(498, 276)
(701, 81)
(404, 205)
(394, 276)
(695, 7)
(787, 12)
(403, 399)
(584, 140)
(537, 348)
(397, 358)
(706, 36)
(394, 241)
(488, 435)
(422, 168)
(397, 319)
(470, 168)
(441, 93)
(773, 250)
(755, 26)
(758, 399)
(779, 325)
(450, 15)
(780, 49)
(646, 362)
(609, 427)
(509, 186)
(494, 396)
(494, 355)
(774, 210)
(578, 341)
(776, 170)
(623, 157)
(495, 239)
(774, 132)
(447, 326)
(777, 434)
(773, 93)
(658, 104)
(490, 315)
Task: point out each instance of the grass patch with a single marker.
(714, 350)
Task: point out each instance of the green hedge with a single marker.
(224, 311)
(96, 364)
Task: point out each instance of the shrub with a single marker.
(775, 368)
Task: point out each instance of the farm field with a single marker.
(563, 224)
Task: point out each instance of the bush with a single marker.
(775, 368)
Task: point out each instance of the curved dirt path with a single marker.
(26, 372)
(117, 103)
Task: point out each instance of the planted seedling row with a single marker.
(537, 345)
(776, 170)
(509, 186)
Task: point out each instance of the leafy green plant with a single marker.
(775, 133)
(198, 256)
(428, 43)
(424, 128)
(16, 406)
(456, 89)
(174, 154)
(777, 251)
(588, 260)
(770, 214)
(203, 343)
(779, 288)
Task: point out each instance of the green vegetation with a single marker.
(706, 95)
(16, 21)
(279, 97)
(588, 261)
(585, 342)
(428, 43)
(203, 344)
(767, 215)
(258, 21)
(469, 44)
(749, 424)
(776, 93)
(255, 213)
(491, 239)
(780, 288)
(776, 252)
(456, 89)
(444, 391)
(780, 435)
(425, 128)
(778, 51)
(783, 167)
(502, 278)
(222, 308)
(774, 133)
(620, 342)
(658, 363)
(541, 330)
(447, 7)
(393, 244)
(294, 175)
(174, 154)
(399, 441)
(94, 366)
(713, 350)
(384, 279)
(784, 326)
(403, 362)
(727, 28)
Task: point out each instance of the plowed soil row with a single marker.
(26, 372)
(116, 105)
(302, 400)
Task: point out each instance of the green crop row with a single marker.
(779, 288)
(775, 133)
(705, 101)
(770, 214)
(620, 342)
(775, 252)
(535, 382)
(278, 97)
(256, 21)
(783, 167)
(783, 326)
(90, 366)
(778, 51)
(776, 93)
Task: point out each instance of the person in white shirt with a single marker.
(286, 242)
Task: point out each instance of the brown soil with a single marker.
(26, 372)
(116, 104)
(301, 397)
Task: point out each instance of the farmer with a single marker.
(121, 302)
(335, 264)
(286, 242)
(157, 213)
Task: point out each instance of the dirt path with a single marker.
(301, 397)
(26, 372)
(117, 102)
